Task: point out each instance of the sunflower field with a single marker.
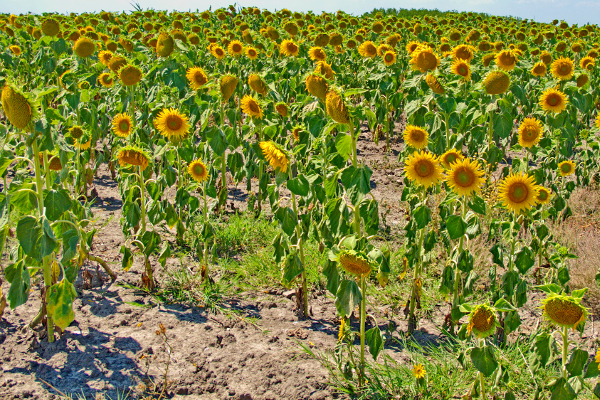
(493, 122)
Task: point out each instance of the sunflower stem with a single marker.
(363, 316)
(355, 165)
(565, 349)
(481, 377)
(301, 251)
(412, 318)
(457, 276)
(205, 250)
(142, 201)
(223, 196)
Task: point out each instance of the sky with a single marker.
(573, 11)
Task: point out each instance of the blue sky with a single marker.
(573, 11)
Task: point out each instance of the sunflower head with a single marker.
(217, 51)
(50, 27)
(130, 75)
(54, 162)
(251, 53)
(563, 310)
(461, 68)
(496, 82)
(582, 79)
(598, 121)
(553, 100)
(122, 125)
(544, 195)
(104, 56)
(482, 321)
(227, 85)
(367, 49)
(464, 177)
(518, 192)
(18, 108)
(434, 84)
(84, 47)
(336, 107)
(566, 168)
(464, 52)
(116, 63)
(282, 109)
(450, 157)
(539, 69)
(275, 155)
(198, 171)
(424, 59)
(257, 84)
(164, 44)
(562, 68)
(324, 69)
(353, 262)
(133, 156)
(419, 371)
(296, 132)
(587, 63)
(423, 168)
(389, 58)
(415, 136)
(16, 50)
(506, 60)
(76, 132)
(530, 132)
(196, 77)
(235, 48)
(317, 53)
(316, 86)
(289, 48)
(412, 46)
(251, 107)
(172, 124)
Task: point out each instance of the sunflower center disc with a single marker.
(173, 124)
(529, 135)
(198, 170)
(553, 100)
(450, 158)
(424, 169)
(565, 168)
(417, 136)
(543, 195)
(464, 178)
(124, 126)
(518, 192)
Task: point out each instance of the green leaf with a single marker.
(456, 226)
(127, 258)
(562, 391)
(70, 239)
(165, 253)
(18, 276)
(357, 182)
(299, 186)
(503, 305)
(292, 268)
(551, 288)
(503, 124)
(347, 297)
(375, 341)
(577, 362)
(597, 390)
(60, 303)
(592, 370)
(343, 145)
(484, 360)
(56, 202)
(29, 234)
(541, 350)
(333, 276)
(477, 204)
(217, 141)
(422, 216)
(288, 220)
(524, 260)
(5, 211)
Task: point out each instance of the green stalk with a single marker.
(363, 317)
(142, 201)
(355, 165)
(481, 378)
(412, 319)
(46, 268)
(223, 162)
(457, 276)
(387, 125)
(446, 122)
(205, 252)
(565, 349)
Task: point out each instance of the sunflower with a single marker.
(546, 57)
(450, 157)
(389, 58)
(518, 192)
(412, 46)
(84, 47)
(16, 50)
(598, 121)
(464, 52)
(353, 262)
(564, 310)
(336, 108)
(587, 63)
(196, 77)
(54, 162)
(132, 155)
(317, 53)
(227, 85)
(172, 124)
(506, 60)
(282, 109)
(235, 48)
(104, 56)
(296, 132)
(415, 136)
(122, 125)
(582, 79)
(530, 132)
(419, 371)
(367, 49)
(539, 69)
(198, 171)
(76, 132)
(462, 68)
(164, 44)
(116, 63)
(464, 177)
(496, 82)
(423, 168)
(383, 48)
(553, 100)
(251, 107)
(566, 168)
(50, 27)
(83, 145)
(482, 321)
(217, 52)
(289, 48)
(18, 109)
(424, 59)
(316, 86)
(251, 53)
(130, 75)
(324, 69)
(562, 68)
(543, 196)
(275, 155)
(434, 84)
(257, 84)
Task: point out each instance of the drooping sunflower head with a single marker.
(487, 59)
(251, 107)
(336, 107)
(18, 108)
(562, 68)
(275, 155)
(282, 109)
(450, 157)
(539, 69)
(133, 156)
(130, 75)
(54, 162)
(423, 168)
(164, 44)
(506, 60)
(464, 52)
(424, 59)
(84, 47)
(296, 132)
(122, 125)
(354, 263)
(196, 77)
(553, 100)
(464, 177)
(227, 85)
(289, 48)
(482, 321)
(367, 49)
(257, 84)
(564, 310)
(566, 168)
(546, 57)
(16, 50)
(415, 136)
(317, 86)
(434, 84)
(324, 69)
(235, 48)
(461, 68)
(317, 53)
(530, 132)
(544, 195)
(172, 124)
(389, 58)
(518, 192)
(496, 82)
(582, 79)
(198, 171)
(82, 145)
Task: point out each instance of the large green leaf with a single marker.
(422, 216)
(375, 341)
(60, 303)
(524, 260)
(484, 360)
(299, 185)
(292, 268)
(343, 145)
(288, 220)
(18, 276)
(456, 226)
(347, 297)
(29, 234)
(56, 202)
(577, 362)
(357, 182)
